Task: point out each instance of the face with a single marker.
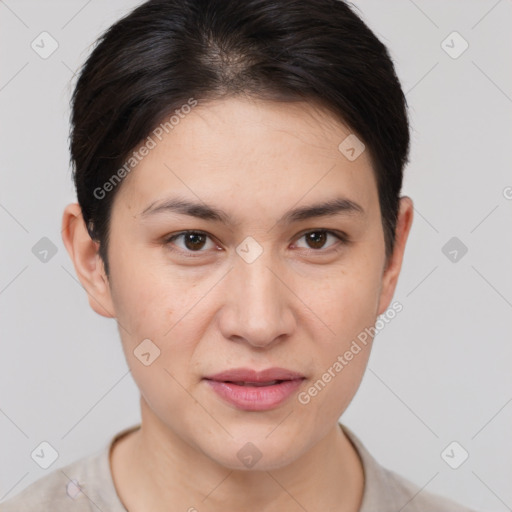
(252, 277)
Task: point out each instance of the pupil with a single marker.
(318, 238)
(194, 240)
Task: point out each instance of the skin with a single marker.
(297, 306)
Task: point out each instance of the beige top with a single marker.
(86, 485)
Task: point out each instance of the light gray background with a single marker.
(439, 372)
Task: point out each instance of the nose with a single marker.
(259, 305)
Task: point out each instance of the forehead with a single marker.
(234, 147)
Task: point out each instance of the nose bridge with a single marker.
(260, 285)
(259, 300)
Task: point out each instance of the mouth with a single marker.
(255, 384)
(252, 390)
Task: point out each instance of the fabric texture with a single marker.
(86, 485)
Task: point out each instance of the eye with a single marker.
(201, 242)
(192, 241)
(317, 239)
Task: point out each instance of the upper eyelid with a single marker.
(334, 232)
(170, 238)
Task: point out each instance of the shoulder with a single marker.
(60, 490)
(413, 498)
(84, 485)
(387, 491)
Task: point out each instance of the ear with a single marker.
(86, 260)
(392, 270)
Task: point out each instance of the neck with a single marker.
(154, 469)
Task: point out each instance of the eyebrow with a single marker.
(336, 206)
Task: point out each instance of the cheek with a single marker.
(347, 301)
(147, 302)
(151, 306)
(136, 300)
(341, 355)
(150, 310)
(348, 304)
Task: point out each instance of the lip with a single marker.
(258, 397)
(250, 375)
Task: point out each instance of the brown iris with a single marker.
(316, 238)
(194, 241)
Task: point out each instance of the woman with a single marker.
(238, 167)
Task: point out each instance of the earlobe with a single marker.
(392, 271)
(89, 268)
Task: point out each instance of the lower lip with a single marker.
(255, 398)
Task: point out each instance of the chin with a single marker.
(257, 452)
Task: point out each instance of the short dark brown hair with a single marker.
(152, 61)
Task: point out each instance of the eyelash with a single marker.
(342, 237)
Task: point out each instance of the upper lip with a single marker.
(250, 375)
